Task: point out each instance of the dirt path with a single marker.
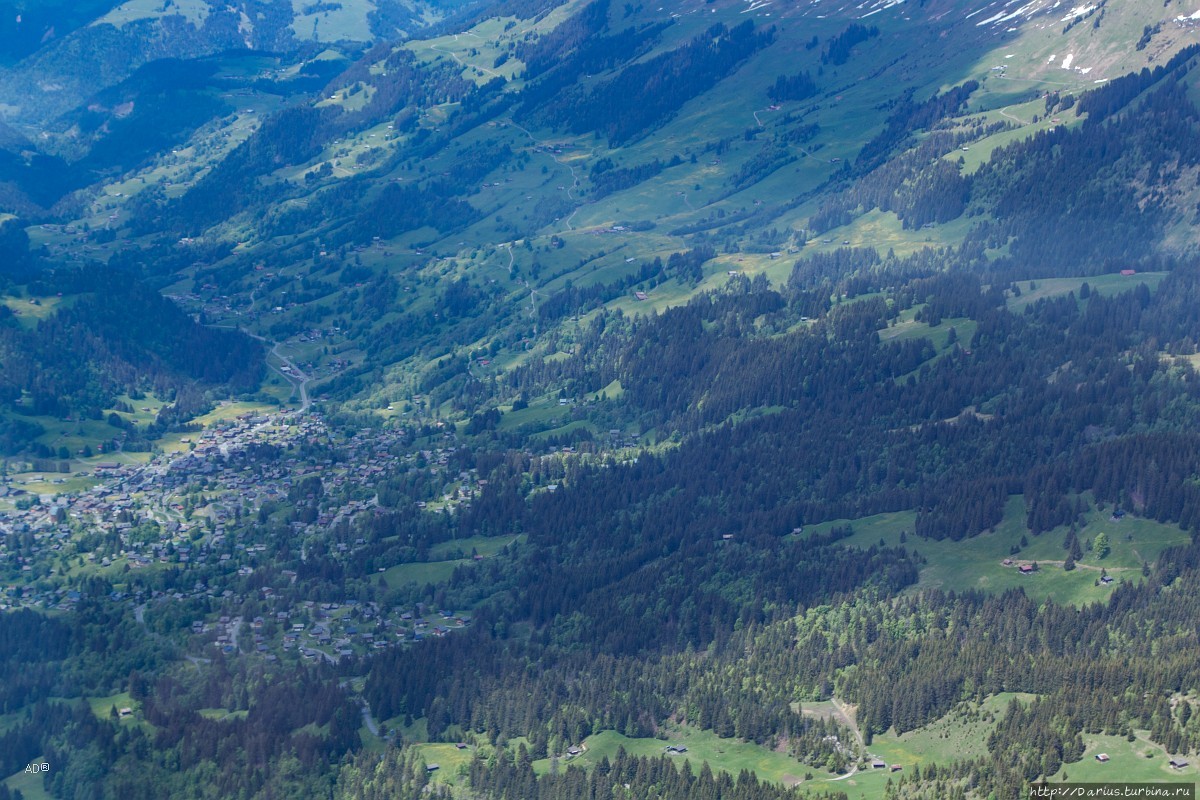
(758, 121)
(1075, 84)
(1007, 115)
(298, 378)
(235, 628)
(1093, 567)
(323, 654)
(843, 716)
(453, 55)
(300, 381)
(367, 717)
(532, 307)
(574, 175)
(369, 720)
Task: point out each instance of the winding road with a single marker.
(844, 717)
(298, 378)
(1007, 115)
(532, 307)
(369, 720)
(574, 175)
(454, 55)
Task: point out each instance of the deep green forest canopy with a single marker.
(607, 396)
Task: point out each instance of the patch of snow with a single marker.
(1078, 11)
(872, 8)
(1066, 64)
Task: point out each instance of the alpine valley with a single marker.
(528, 399)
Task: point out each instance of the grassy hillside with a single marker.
(730, 166)
(979, 563)
(721, 359)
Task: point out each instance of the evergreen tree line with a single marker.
(645, 94)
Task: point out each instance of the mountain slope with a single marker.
(790, 390)
(511, 124)
(99, 44)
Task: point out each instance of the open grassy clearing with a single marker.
(1139, 760)
(223, 713)
(31, 310)
(883, 231)
(422, 572)
(370, 742)
(484, 545)
(565, 430)
(612, 391)
(29, 784)
(979, 152)
(102, 708)
(49, 483)
(193, 11)
(344, 20)
(977, 562)
(961, 734)
(1107, 285)
(73, 434)
(544, 415)
(452, 762)
(907, 328)
(439, 571)
(725, 755)
(232, 410)
(476, 52)
(1035, 55)
(477, 49)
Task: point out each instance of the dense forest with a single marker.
(599, 470)
(116, 336)
(641, 96)
(715, 590)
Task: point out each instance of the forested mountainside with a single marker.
(550, 399)
(55, 54)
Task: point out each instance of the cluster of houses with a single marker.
(197, 509)
(328, 631)
(1174, 763)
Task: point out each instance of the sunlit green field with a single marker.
(727, 755)
(445, 560)
(977, 562)
(1106, 285)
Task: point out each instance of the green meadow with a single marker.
(726, 755)
(1106, 285)
(978, 562)
(444, 560)
(29, 784)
